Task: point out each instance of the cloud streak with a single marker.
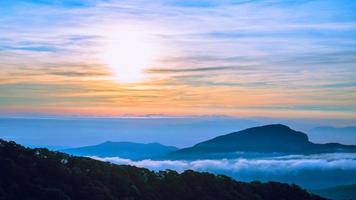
(251, 54)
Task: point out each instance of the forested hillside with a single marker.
(41, 174)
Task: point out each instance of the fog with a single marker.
(314, 171)
(75, 132)
(62, 132)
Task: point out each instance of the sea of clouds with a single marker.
(310, 171)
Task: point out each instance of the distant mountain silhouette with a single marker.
(325, 134)
(129, 150)
(275, 138)
(41, 174)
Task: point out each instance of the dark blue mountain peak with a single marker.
(130, 150)
(273, 138)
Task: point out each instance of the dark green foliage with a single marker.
(36, 174)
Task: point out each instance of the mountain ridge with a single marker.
(325, 134)
(42, 174)
(254, 141)
(273, 138)
(129, 150)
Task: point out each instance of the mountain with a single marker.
(338, 192)
(129, 150)
(42, 174)
(275, 138)
(325, 134)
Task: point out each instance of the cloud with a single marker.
(292, 54)
(202, 69)
(310, 171)
(284, 164)
(150, 164)
(78, 74)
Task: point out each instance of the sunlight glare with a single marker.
(127, 54)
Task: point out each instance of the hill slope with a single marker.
(129, 150)
(264, 139)
(41, 174)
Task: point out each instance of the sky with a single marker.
(136, 57)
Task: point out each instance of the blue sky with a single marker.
(238, 57)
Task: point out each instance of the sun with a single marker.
(127, 54)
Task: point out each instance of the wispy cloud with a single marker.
(309, 171)
(214, 56)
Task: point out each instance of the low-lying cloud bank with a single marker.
(313, 171)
